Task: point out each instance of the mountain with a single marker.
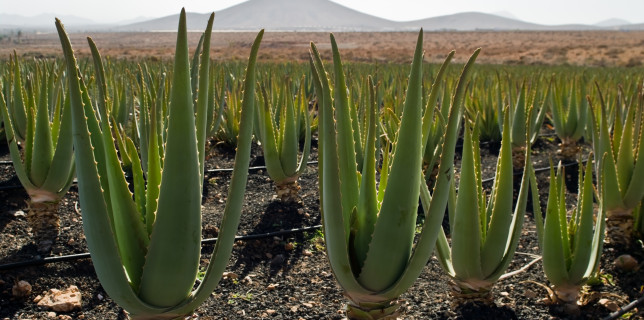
(471, 21)
(276, 15)
(614, 22)
(302, 15)
(42, 20)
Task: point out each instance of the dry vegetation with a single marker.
(592, 48)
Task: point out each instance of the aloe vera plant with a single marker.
(484, 237)
(619, 167)
(146, 249)
(44, 162)
(369, 230)
(280, 138)
(527, 116)
(570, 242)
(569, 114)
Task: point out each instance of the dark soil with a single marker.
(286, 276)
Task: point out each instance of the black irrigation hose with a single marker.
(617, 314)
(73, 257)
(536, 170)
(15, 186)
(46, 260)
(12, 187)
(249, 169)
(9, 162)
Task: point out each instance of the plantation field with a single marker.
(589, 48)
(355, 187)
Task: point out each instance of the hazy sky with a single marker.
(538, 11)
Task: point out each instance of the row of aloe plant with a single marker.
(369, 224)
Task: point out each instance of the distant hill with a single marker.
(471, 21)
(302, 15)
(612, 23)
(278, 15)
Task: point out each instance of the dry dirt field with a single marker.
(590, 48)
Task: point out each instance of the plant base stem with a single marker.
(157, 317)
(464, 292)
(387, 310)
(619, 226)
(287, 191)
(567, 297)
(44, 222)
(568, 149)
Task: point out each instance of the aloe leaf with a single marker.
(63, 159)
(495, 245)
(625, 159)
(130, 234)
(368, 201)
(18, 109)
(203, 94)
(336, 221)
(43, 148)
(394, 231)
(635, 189)
(466, 233)
(610, 183)
(519, 119)
(428, 117)
(97, 224)
(28, 146)
(290, 139)
(269, 143)
(346, 152)
(153, 173)
(518, 216)
(173, 254)
(19, 167)
(583, 244)
(438, 200)
(554, 260)
(232, 211)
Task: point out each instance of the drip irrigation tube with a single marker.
(617, 314)
(16, 186)
(9, 162)
(72, 257)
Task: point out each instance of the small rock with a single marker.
(99, 297)
(247, 280)
(307, 253)
(308, 304)
(62, 300)
(294, 309)
(530, 294)
(21, 289)
(51, 314)
(230, 275)
(64, 317)
(37, 298)
(609, 304)
(626, 262)
(504, 294)
(269, 255)
(270, 312)
(271, 287)
(289, 246)
(19, 214)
